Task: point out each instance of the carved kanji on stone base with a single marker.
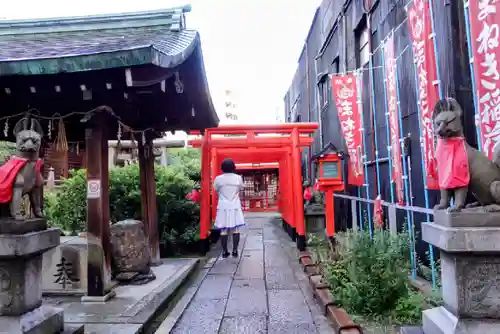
(64, 274)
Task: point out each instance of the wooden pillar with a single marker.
(99, 254)
(148, 196)
(297, 186)
(205, 195)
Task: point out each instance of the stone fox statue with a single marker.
(21, 174)
(462, 168)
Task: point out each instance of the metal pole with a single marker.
(367, 184)
(408, 163)
(426, 191)
(436, 55)
(405, 178)
(471, 65)
(388, 135)
(374, 110)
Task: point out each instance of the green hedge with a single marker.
(177, 217)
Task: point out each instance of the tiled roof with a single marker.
(98, 42)
(81, 43)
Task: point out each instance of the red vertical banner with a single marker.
(419, 21)
(345, 93)
(485, 34)
(392, 109)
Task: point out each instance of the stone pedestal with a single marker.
(470, 272)
(131, 252)
(314, 215)
(72, 255)
(21, 309)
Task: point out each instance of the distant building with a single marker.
(231, 112)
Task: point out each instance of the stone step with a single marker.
(411, 330)
(74, 329)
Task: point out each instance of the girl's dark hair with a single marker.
(228, 166)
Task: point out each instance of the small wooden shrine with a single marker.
(91, 79)
(261, 186)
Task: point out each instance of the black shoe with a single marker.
(236, 241)
(223, 242)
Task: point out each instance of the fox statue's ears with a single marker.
(447, 104)
(28, 123)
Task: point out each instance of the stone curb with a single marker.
(341, 321)
(168, 324)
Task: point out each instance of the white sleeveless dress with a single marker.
(229, 212)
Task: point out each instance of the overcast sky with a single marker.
(249, 46)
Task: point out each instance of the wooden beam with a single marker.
(257, 142)
(148, 197)
(245, 167)
(98, 216)
(266, 128)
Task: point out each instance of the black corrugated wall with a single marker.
(340, 43)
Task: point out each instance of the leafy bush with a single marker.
(7, 149)
(66, 207)
(370, 276)
(189, 160)
(177, 217)
(426, 272)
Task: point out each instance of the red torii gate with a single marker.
(277, 143)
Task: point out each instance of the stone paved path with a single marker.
(263, 291)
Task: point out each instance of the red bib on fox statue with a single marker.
(452, 163)
(8, 173)
(308, 194)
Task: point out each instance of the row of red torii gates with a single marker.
(279, 144)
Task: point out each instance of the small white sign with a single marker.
(93, 189)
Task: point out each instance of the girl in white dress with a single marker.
(229, 213)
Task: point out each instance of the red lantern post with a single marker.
(329, 181)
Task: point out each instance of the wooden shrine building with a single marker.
(106, 77)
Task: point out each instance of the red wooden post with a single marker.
(214, 172)
(329, 213)
(98, 258)
(205, 193)
(297, 186)
(281, 173)
(266, 185)
(148, 197)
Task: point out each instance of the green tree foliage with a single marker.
(189, 160)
